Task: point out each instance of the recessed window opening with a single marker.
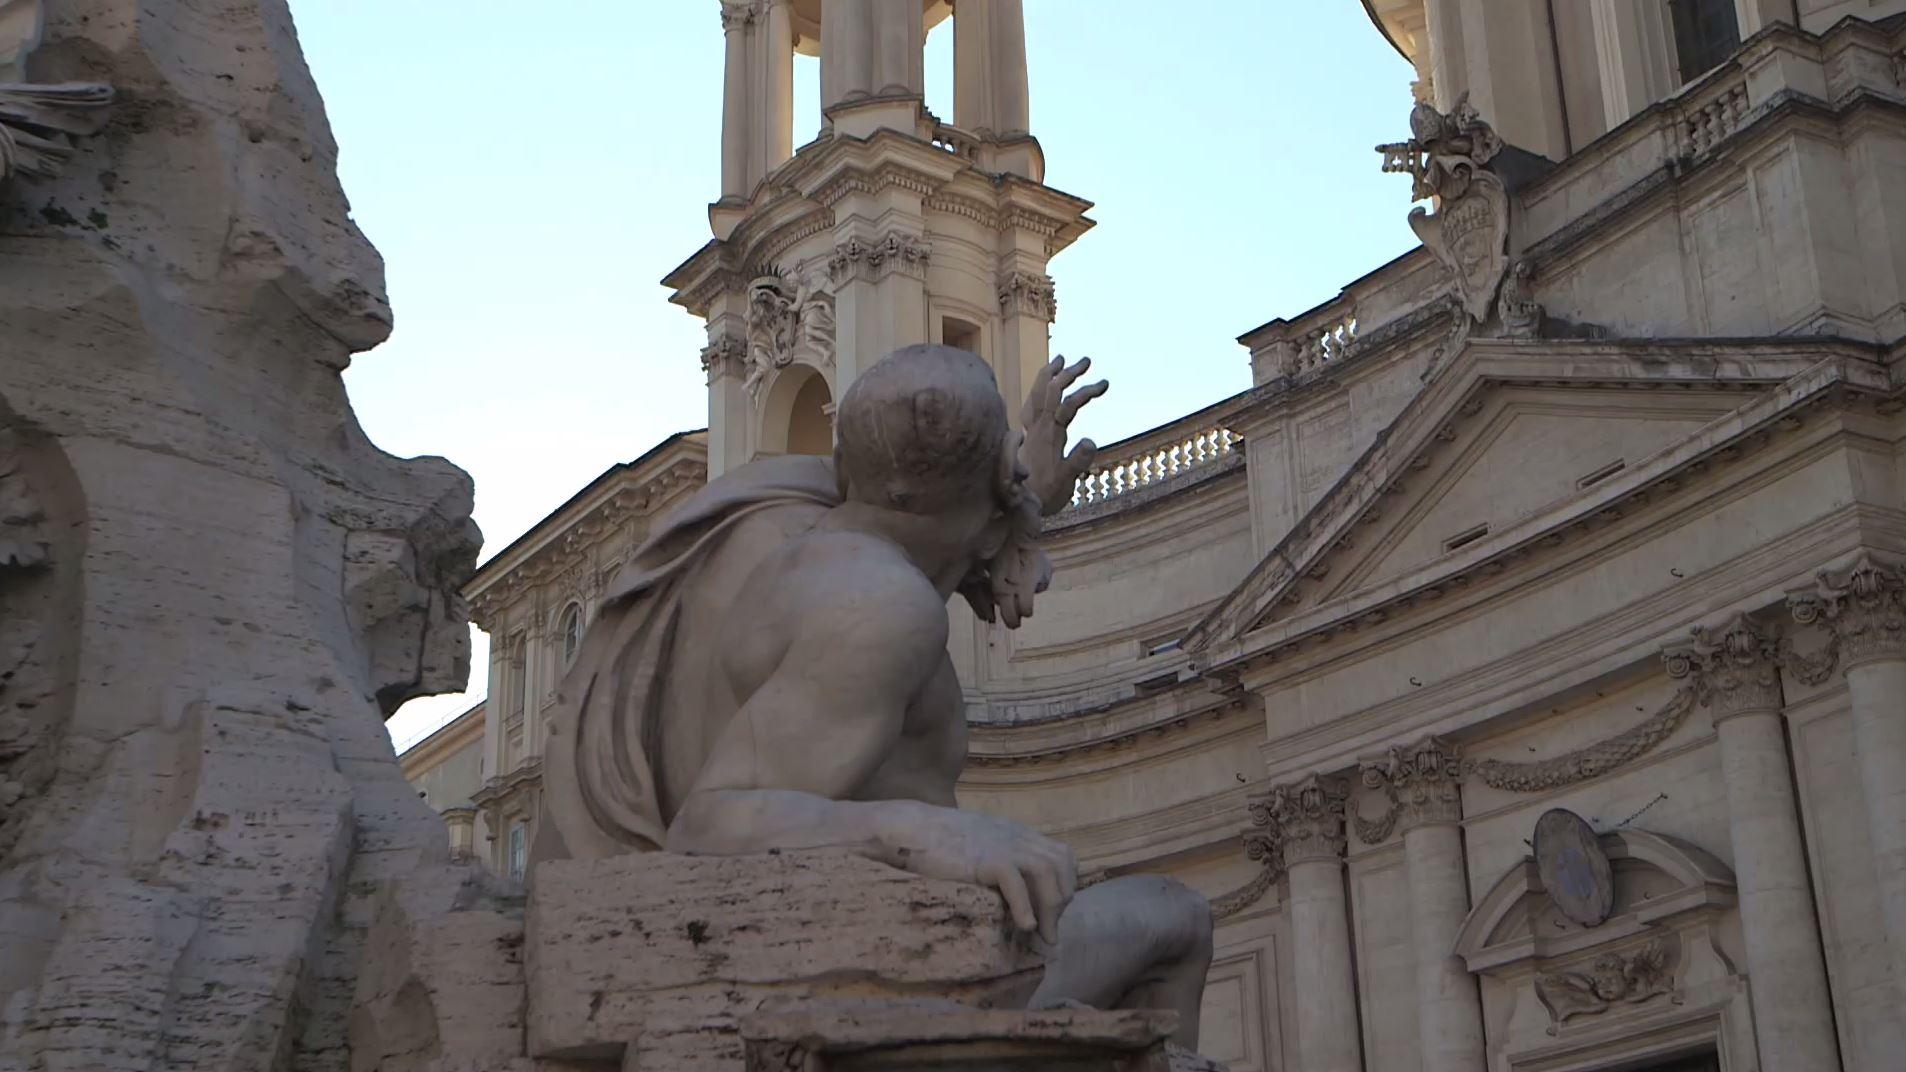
(959, 334)
(1706, 32)
(571, 633)
(1602, 474)
(1466, 537)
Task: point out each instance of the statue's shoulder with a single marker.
(861, 575)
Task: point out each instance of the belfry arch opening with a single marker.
(798, 417)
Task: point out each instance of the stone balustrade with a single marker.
(1187, 453)
(956, 141)
(1711, 114)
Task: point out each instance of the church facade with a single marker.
(1519, 665)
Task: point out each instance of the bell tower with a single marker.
(891, 227)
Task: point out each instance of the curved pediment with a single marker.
(1656, 877)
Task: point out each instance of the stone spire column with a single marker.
(1307, 820)
(1424, 781)
(735, 17)
(774, 120)
(1864, 608)
(1734, 669)
(990, 94)
(846, 51)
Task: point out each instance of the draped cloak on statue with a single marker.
(613, 734)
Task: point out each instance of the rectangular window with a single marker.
(1706, 32)
(519, 849)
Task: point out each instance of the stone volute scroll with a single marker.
(1862, 606)
(1448, 160)
(1306, 817)
(1734, 668)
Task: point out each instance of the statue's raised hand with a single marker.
(1047, 413)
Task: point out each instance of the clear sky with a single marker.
(530, 171)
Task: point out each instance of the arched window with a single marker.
(571, 632)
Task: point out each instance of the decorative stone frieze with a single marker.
(1028, 294)
(895, 251)
(39, 122)
(1423, 784)
(1447, 159)
(1863, 608)
(1613, 979)
(787, 324)
(1734, 668)
(1306, 818)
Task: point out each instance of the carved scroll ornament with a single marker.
(38, 124)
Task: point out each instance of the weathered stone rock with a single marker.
(923, 1034)
(663, 954)
(212, 583)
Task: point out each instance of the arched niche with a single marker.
(1658, 980)
(797, 413)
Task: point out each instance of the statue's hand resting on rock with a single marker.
(771, 671)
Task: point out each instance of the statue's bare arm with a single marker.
(826, 718)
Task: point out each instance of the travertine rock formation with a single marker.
(212, 585)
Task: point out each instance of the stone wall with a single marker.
(214, 586)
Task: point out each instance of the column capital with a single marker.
(1423, 781)
(1028, 294)
(725, 355)
(1734, 666)
(1306, 817)
(1862, 605)
(737, 14)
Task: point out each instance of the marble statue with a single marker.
(770, 672)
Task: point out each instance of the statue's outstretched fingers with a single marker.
(1012, 886)
(1069, 408)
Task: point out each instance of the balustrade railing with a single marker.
(1710, 117)
(956, 141)
(1156, 463)
(1323, 344)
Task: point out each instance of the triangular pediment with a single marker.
(1526, 450)
(1513, 439)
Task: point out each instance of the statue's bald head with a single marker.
(920, 429)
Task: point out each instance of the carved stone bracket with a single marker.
(1862, 607)
(39, 122)
(1591, 761)
(1306, 818)
(1447, 159)
(1423, 783)
(787, 323)
(895, 251)
(1734, 668)
(1520, 313)
(1028, 294)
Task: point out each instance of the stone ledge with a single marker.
(658, 956)
(922, 1034)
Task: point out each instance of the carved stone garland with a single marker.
(1028, 294)
(895, 251)
(1591, 761)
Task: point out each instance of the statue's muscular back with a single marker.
(770, 590)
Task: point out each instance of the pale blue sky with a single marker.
(530, 171)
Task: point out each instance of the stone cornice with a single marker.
(1136, 730)
(447, 740)
(1792, 378)
(560, 545)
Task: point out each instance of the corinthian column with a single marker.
(1424, 781)
(1734, 668)
(1307, 822)
(1862, 607)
